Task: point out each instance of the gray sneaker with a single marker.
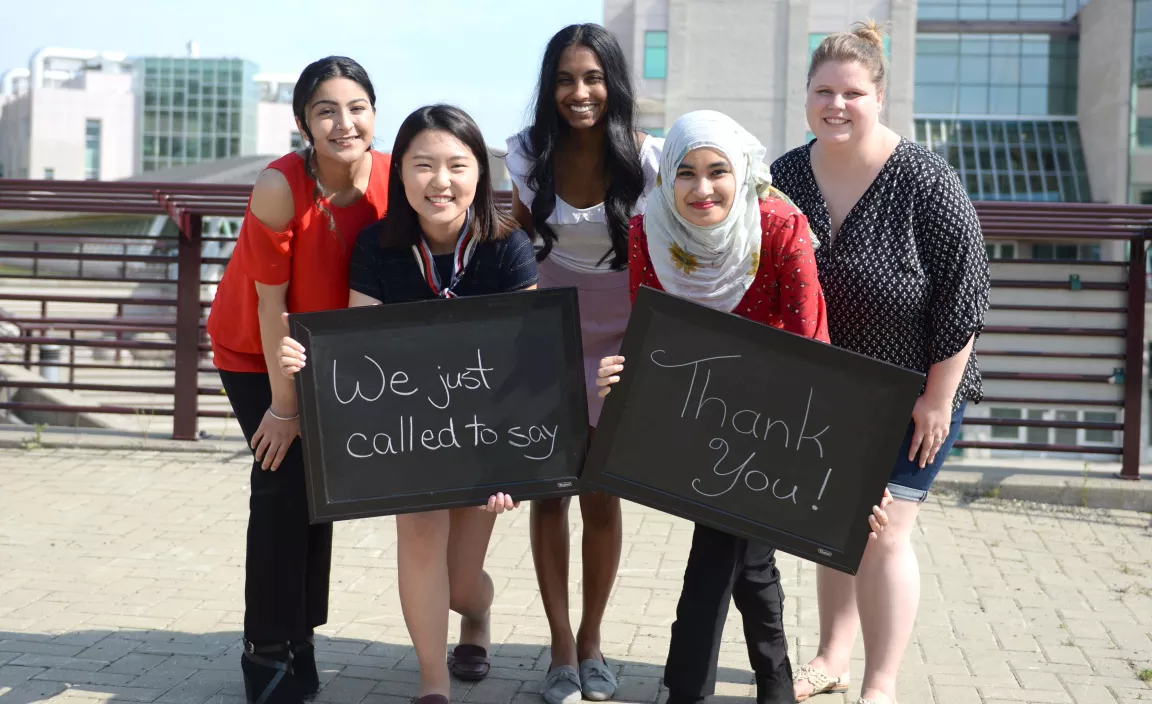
(598, 682)
(561, 685)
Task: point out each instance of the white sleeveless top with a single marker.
(582, 237)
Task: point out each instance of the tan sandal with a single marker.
(820, 681)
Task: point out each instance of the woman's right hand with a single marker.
(609, 368)
(291, 356)
(273, 438)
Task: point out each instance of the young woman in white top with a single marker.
(579, 173)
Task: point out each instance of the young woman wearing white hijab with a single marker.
(715, 232)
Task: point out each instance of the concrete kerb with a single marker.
(1058, 482)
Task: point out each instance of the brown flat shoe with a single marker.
(468, 662)
(432, 699)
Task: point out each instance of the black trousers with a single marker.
(722, 567)
(288, 560)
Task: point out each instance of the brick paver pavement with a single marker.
(121, 579)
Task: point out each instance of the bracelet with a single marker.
(273, 414)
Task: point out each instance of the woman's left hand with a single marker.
(499, 503)
(879, 518)
(933, 419)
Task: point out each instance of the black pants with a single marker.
(722, 567)
(288, 559)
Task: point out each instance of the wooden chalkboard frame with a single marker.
(878, 470)
(305, 327)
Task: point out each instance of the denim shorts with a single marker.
(908, 481)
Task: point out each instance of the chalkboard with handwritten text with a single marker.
(752, 430)
(436, 404)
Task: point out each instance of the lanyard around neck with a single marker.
(466, 242)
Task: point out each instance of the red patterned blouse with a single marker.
(785, 293)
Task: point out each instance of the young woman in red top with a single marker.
(292, 255)
(716, 233)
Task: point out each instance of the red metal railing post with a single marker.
(1134, 360)
(187, 328)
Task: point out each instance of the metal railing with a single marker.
(1055, 327)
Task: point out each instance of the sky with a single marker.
(482, 55)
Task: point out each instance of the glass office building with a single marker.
(193, 110)
(997, 96)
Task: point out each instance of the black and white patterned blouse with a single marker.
(906, 277)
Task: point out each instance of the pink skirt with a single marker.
(604, 309)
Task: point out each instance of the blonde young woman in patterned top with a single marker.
(905, 276)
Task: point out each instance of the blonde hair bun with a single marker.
(870, 31)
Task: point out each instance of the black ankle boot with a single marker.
(268, 677)
(776, 688)
(675, 699)
(304, 665)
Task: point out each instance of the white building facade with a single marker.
(87, 115)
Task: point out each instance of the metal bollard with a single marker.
(49, 362)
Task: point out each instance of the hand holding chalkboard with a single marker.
(440, 403)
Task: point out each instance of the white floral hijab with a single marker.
(713, 266)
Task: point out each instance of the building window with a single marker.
(1024, 160)
(1066, 252)
(997, 9)
(1055, 436)
(296, 141)
(655, 54)
(1006, 432)
(1144, 132)
(996, 74)
(1099, 437)
(1142, 44)
(1000, 250)
(49, 173)
(92, 130)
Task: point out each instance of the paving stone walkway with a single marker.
(121, 579)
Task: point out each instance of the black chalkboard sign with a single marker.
(750, 429)
(435, 404)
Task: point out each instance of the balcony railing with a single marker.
(106, 312)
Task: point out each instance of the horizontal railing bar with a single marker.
(1061, 355)
(1063, 378)
(1060, 285)
(104, 300)
(99, 237)
(164, 323)
(1033, 401)
(84, 386)
(86, 256)
(1061, 262)
(1059, 309)
(96, 279)
(1037, 423)
(114, 410)
(1036, 447)
(105, 344)
(91, 327)
(1038, 330)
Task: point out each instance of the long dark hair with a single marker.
(310, 79)
(401, 225)
(621, 154)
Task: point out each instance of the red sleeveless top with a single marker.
(308, 253)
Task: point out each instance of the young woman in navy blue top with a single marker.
(442, 237)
